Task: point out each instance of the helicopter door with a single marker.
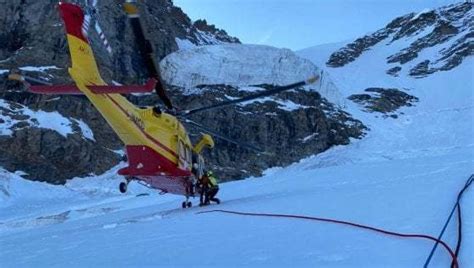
(200, 166)
(184, 153)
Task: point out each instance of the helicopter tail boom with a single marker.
(106, 89)
(84, 65)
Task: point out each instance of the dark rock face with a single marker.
(307, 125)
(222, 35)
(31, 35)
(441, 33)
(288, 127)
(394, 71)
(421, 69)
(442, 26)
(47, 156)
(353, 50)
(384, 100)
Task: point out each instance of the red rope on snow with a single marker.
(453, 256)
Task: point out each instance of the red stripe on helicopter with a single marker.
(144, 161)
(159, 144)
(74, 90)
(73, 17)
(148, 87)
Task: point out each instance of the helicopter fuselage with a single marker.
(158, 148)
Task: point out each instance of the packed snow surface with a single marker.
(90, 224)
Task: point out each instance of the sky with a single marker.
(298, 24)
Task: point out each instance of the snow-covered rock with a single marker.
(419, 44)
(445, 97)
(15, 116)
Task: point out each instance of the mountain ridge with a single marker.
(450, 27)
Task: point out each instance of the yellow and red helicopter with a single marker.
(158, 149)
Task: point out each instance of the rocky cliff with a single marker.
(31, 34)
(55, 138)
(428, 41)
(385, 71)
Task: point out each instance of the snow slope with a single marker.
(444, 116)
(412, 195)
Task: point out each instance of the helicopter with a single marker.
(159, 152)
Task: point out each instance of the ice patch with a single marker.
(49, 120)
(250, 89)
(309, 137)
(424, 11)
(40, 119)
(207, 38)
(286, 105)
(86, 130)
(39, 68)
(230, 97)
(184, 44)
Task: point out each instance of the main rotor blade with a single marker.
(146, 51)
(102, 37)
(252, 97)
(222, 137)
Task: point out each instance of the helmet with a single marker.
(209, 173)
